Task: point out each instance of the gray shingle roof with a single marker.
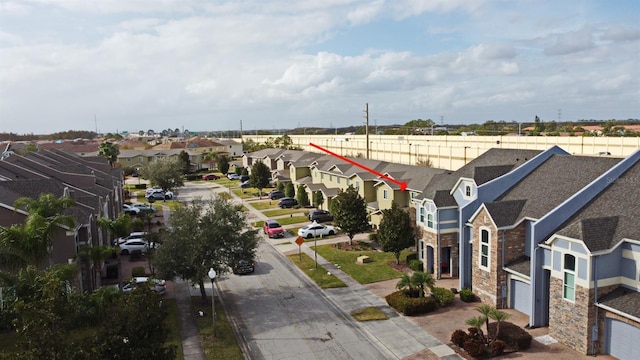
(624, 300)
(505, 213)
(553, 182)
(616, 210)
(521, 265)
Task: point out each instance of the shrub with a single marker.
(403, 302)
(513, 335)
(458, 337)
(373, 236)
(416, 265)
(412, 256)
(443, 296)
(193, 177)
(467, 295)
(497, 347)
(474, 347)
(140, 186)
(138, 271)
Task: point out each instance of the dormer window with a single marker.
(467, 191)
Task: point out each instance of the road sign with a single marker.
(299, 241)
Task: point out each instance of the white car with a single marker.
(168, 195)
(133, 236)
(316, 230)
(128, 209)
(154, 189)
(144, 207)
(157, 285)
(133, 245)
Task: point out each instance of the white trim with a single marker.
(488, 245)
(448, 222)
(573, 272)
(618, 312)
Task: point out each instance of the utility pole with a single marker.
(240, 130)
(366, 116)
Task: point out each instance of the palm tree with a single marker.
(97, 255)
(477, 323)
(422, 280)
(31, 242)
(499, 316)
(486, 311)
(404, 283)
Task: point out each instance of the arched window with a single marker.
(467, 191)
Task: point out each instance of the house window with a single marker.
(421, 215)
(338, 179)
(430, 220)
(484, 248)
(357, 184)
(348, 182)
(330, 177)
(569, 286)
(385, 194)
(467, 191)
(321, 176)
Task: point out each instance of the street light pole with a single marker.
(212, 276)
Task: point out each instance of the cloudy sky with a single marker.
(130, 65)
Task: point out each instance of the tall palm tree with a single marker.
(477, 323)
(31, 242)
(486, 311)
(97, 255)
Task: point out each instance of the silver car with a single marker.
(157, 285)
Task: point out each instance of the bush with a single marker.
(409, 305)
(140, 186)
(193, 177)
(138, 271)
(443, 296)
(474, 346)
(373, 236)
(458, 337)
(416, 265)
(497, 347)
(467, 295)
(412, 256)
(513, 335)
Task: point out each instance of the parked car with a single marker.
(210, 177)
(273, 229)
(128, 209)
(232, 176)
(276, 194)
(320, 215)
(287, 202)
(168, 195)
(157, 285)
(316, 230)
(144, 207)
(244, 267)
(155, 196)
(244, 178)
(152, 190)
(133, 236)
(133, 245)
(245, 184)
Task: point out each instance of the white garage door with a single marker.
(520, 296)
(622, 340)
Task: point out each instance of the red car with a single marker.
(273, 229)
(210, 177)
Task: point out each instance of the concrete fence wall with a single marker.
(452, 152)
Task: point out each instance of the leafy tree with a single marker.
(260, 176)
(31, 241)
(135, 329)
(185, 162)
(350, 212)
(280, 186)
(538, 126)
(166, 173)
(396, 231)
(318, 199)
(223, 164)
(109, 151)
(211, 158)
(303, 198)
(289, 190)
(202, 236)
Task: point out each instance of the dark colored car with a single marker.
(276, 194)
(244, 267)
(287, 202)
(210, 177)
(244, 178)
(320, 215)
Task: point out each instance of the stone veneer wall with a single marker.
(485, 282)
(446, 240)
(570, 322)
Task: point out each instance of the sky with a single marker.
(131, 65)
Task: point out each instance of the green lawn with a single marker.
(319, 275)
(280, 212)
(376, 270)
(224, 345)
(264, 204)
